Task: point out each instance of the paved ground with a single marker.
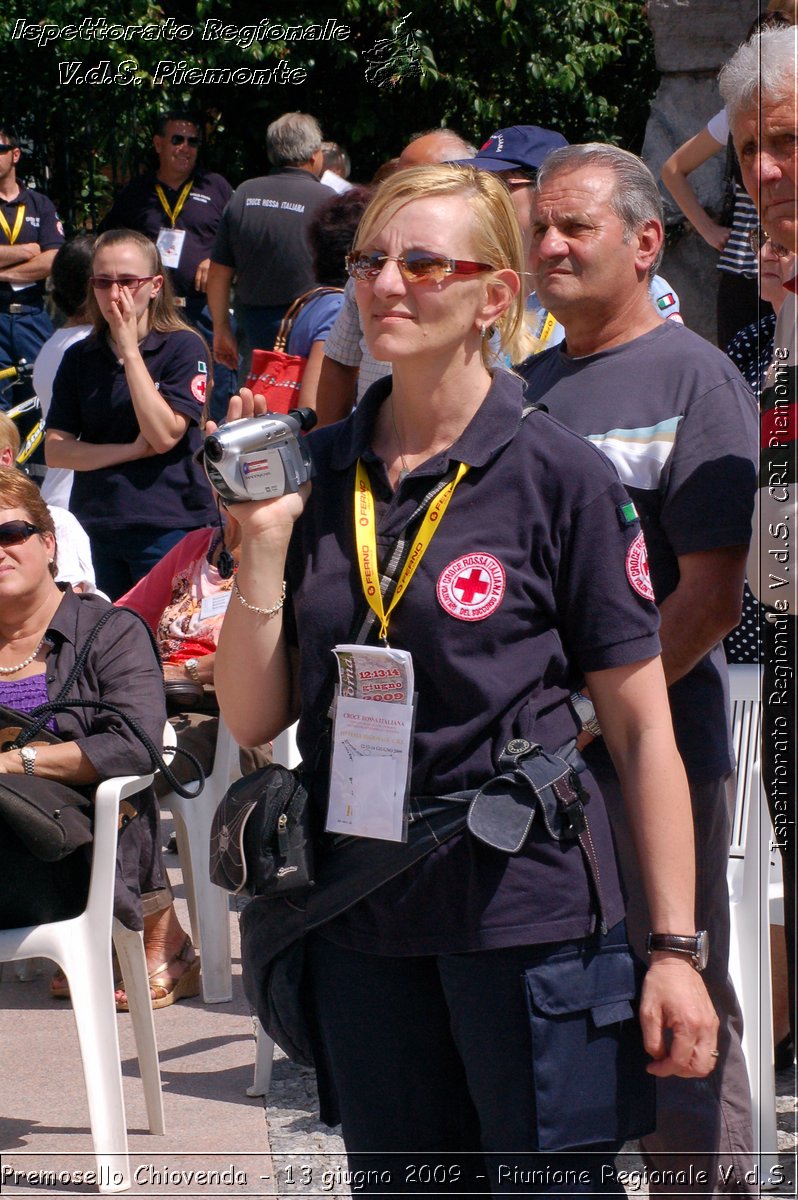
(212, 1125)
(206, 1055)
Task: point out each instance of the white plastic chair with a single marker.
(284, 750)
(208, 905)
(82, 948)
(754, 903)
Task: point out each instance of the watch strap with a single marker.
(690, 944)
(28, 756)
(192, 666)
(583, 707)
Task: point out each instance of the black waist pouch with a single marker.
(260, 834)
(532, 783)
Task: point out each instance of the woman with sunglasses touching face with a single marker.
(125, 415)
(43, 628)
(468, 994)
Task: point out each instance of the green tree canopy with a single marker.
(84, 94)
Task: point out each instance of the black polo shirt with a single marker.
(138, 207)
(523, 588)
(91, 400)
(41, 224)
(263, 236)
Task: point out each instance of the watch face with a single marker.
(702, 949)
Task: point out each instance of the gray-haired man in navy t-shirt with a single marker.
(680, 425)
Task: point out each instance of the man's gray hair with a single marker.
(635, 199)
(761, 71)
(292, 139)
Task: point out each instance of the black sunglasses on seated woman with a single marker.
(14, 533)
(417, 266)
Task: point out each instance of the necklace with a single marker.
(405, 471)
(24, 663)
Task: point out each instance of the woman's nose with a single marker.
(390, 278)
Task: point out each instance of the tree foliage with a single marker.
(584, 67)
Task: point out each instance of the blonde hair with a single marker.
(17, 491)
(9, 435)
(163, 313)
(494, 231)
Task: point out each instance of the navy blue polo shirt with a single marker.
(523, 589)
(91, 400)
(680, 425)
(41, 224)
(138, 207)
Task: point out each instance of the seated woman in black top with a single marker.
(43, 628)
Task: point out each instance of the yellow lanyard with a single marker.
(12, 234)
(548, 327)
(173, 213)
(366, 542)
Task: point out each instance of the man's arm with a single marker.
(219, 283)
(32, 271)
(20, 252)
(704, 607)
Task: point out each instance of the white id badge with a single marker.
(214, 606)
(371, 754)
(170, 244)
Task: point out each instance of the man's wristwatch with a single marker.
(28, 756)
(583, 707)
(695, 945)
(192, 667)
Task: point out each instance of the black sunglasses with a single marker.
(14, 533)
(4, 148)
(177, 139)
(104, 283)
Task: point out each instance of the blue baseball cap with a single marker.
(519, 148)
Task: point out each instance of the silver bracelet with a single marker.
(262, 612)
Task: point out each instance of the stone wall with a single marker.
(692, 40)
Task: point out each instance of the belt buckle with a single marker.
(16, 309)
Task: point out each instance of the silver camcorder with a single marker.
(259, 458)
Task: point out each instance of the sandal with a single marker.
(59, 984)
(182, 988)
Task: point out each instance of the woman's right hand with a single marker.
(266, 518)
(715, 235)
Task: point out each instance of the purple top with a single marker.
(26, 694)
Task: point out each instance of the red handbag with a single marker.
(275, 375)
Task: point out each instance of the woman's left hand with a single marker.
(675, 999)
